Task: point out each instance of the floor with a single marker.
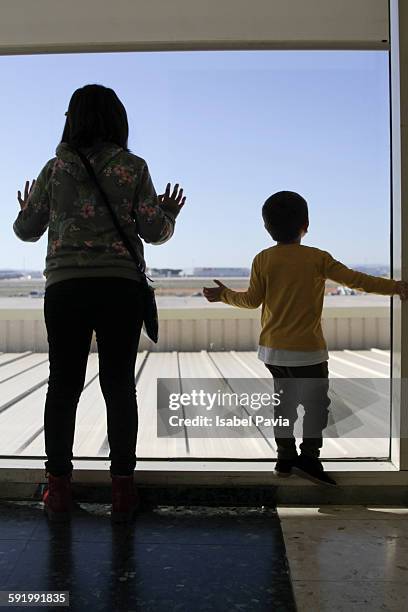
(196, 558)
(347, 558)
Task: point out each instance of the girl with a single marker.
(92, 282)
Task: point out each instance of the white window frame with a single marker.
(323, 28)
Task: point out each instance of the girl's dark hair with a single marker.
(95, 114)
(284, 214)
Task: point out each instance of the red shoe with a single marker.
(57, 497)
(125, 500)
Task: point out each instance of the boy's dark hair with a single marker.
(95, 114)
(284, 214)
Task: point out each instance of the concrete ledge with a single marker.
(209, 473)
(216, 483)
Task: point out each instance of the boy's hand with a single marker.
(174, 202)
(213, 294)
(402, 289)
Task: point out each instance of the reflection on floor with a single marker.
(184, 559)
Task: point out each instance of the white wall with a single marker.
(39, 26)
(211, 329)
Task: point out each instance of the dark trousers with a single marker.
(309, 386)
(73, 308)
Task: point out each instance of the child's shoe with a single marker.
(125, 500)
(57, 497)
(283, 467)
(312, 469)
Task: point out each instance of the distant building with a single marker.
(164, 272)
(22, 274)
(10, 274)
(214, 272)
(374, 269)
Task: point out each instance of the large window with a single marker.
(231, 127)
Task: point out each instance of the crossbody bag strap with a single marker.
(124, 237)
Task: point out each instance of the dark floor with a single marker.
(185, 558)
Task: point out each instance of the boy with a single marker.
(288, 279)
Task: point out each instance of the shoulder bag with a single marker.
(150, 315)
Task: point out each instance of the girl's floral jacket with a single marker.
(82, 239)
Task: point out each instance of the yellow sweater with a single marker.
(289, 281)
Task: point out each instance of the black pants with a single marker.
(73, 308)
(309, 386)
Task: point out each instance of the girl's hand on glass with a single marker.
(24, 202)
(173, 202)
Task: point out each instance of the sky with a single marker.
(232, 128)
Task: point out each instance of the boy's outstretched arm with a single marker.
(252, 298)
(340, 273)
